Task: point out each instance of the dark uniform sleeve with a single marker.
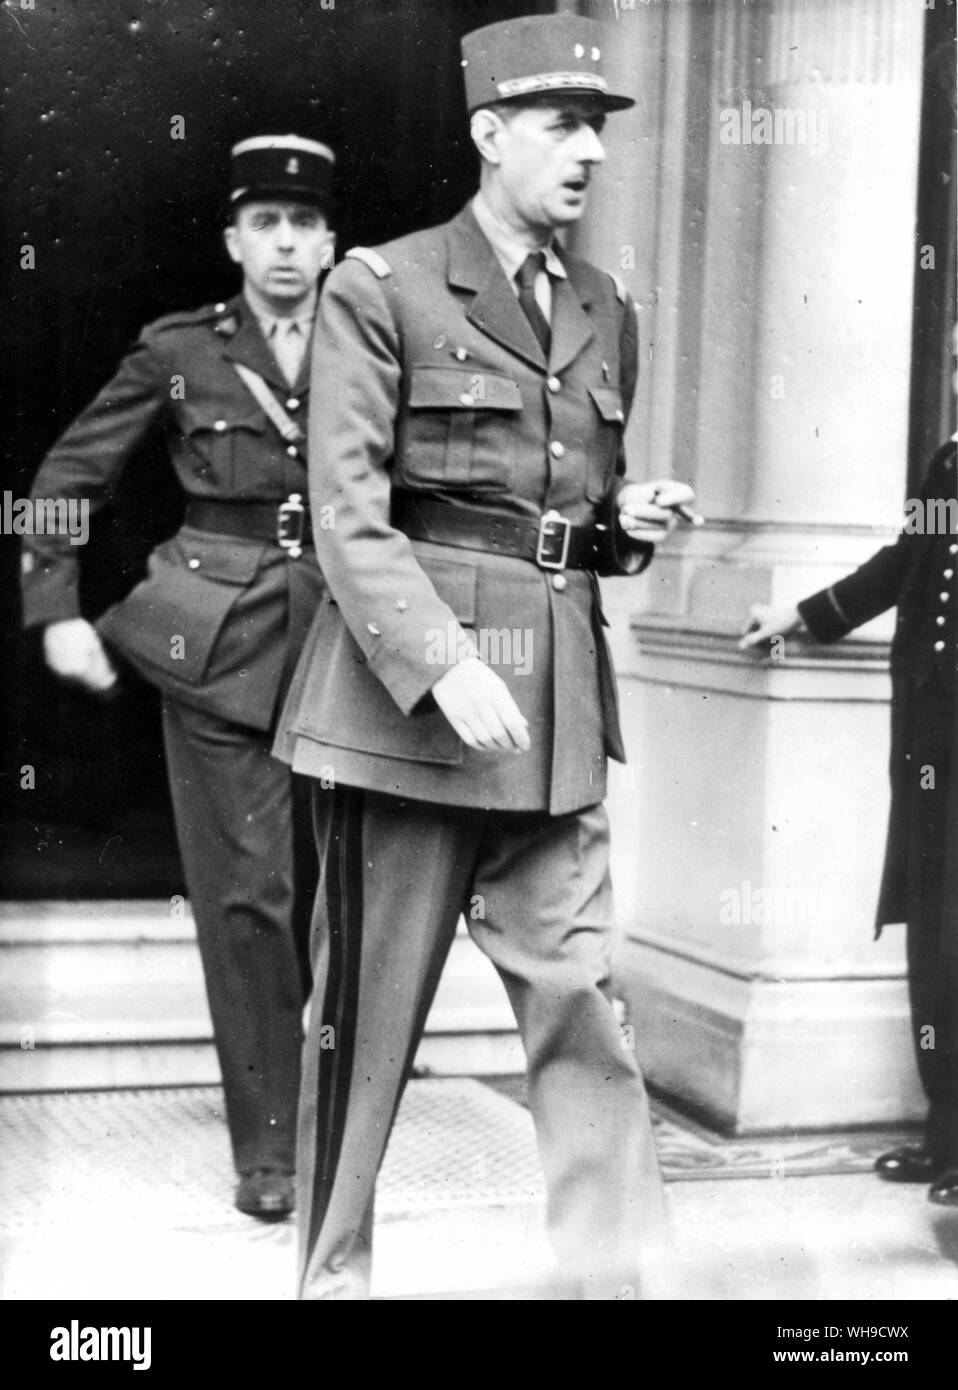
(874, 587)
(86, 464)
(871, 589)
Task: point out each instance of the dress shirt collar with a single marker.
(510, 251)
(269, 323)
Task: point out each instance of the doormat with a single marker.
(69, 1157)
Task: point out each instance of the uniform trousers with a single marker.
(233, 805)
(535, 892)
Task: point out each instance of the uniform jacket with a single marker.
(427, 376)
(919, 574)
(238, 605)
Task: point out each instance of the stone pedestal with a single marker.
(760, 203)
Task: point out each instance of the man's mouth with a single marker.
(577, 185)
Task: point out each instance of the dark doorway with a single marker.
(124, 223)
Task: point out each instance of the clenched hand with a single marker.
(74, 652)
(480, 708)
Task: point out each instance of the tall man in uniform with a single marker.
(470, 390)
(220, 617)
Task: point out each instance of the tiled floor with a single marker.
(127, 1195)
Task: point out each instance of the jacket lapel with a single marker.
(301, 384)
(495, 309)
(247, 345)
(571, 326)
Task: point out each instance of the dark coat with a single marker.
(427, 376)
(238, 605)
(919, 574)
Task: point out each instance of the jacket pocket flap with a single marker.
(197, 419)
(450, 388)
(608, 400)
(221, 558)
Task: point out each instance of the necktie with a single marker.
(526, 280)
(289, 344)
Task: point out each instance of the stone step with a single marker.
(110, 994)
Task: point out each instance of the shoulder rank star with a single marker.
(226, 327)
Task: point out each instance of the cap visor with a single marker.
(609, 101)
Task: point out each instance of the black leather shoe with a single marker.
(944, 1190)
(907, 1164)
(266, 1194)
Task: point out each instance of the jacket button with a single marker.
(953, 549)
(554, 384)
(193, 564)
(373, 630)
(219, 426)
(218, 308)
(939, 646)
(466, 399)
(940, 621)
(292, 450)
(560, 583)
(948, 574)
(944, 595)
(292, 403)
(556, 449)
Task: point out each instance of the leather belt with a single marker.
(286, 524)
(552, 542)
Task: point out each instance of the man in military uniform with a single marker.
(470, 390)
(919, 884)
(220, 617)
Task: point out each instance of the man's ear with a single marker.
(231, 238)
(486, 128)
(329, 251)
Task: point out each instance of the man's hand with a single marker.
(767, 621)
(74, 652)
(480, 708)
(644, 512)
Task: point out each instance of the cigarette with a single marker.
(692, 518)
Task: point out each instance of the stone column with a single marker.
(760, 204)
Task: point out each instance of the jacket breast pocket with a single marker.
(458, 430)
(168, 625)
(610, 430)
(220, 443)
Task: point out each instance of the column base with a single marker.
(760, 1056)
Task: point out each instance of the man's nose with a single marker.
(593, 150)
(285, 233)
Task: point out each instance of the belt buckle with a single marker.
(555, 534)
(290, 517)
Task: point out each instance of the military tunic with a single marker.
(216, 624)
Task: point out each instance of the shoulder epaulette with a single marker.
(186, 317)
(621, 293)
(379, 266)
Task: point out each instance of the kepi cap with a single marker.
(537, 55)
(281, 166)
